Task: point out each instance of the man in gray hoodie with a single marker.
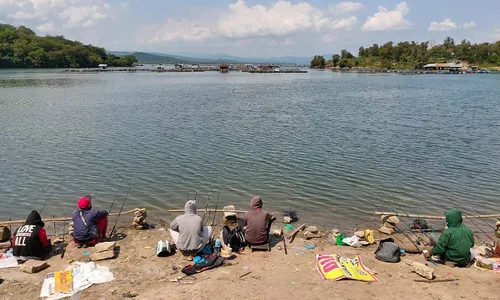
(188, 232)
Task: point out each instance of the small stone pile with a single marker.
(389, 224)
(139, 219)
(312, 232)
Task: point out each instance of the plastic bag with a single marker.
(353, 241)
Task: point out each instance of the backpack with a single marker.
(388, 251)
(233, 238)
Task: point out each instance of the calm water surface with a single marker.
(324, 144)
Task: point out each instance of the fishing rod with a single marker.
(418, 239)
(53, 189)
(216, 204)
(116, 194)
(197, 189)
(484, 242)
(206, 206)
(121, 209)
(479, 216)
(64, 224)
(398, 229)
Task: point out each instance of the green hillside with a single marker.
(20, 47)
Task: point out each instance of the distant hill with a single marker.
(20, 47)
(209, 58)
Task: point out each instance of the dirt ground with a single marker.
(274, 275)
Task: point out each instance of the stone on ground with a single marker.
(312, 229)
(33, 266)
(102, 247)
(360, 234)
(102, 255)
(4, 234)
(287, 220)
(386, 230)
(422, 270)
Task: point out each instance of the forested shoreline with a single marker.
(20, 47)
(413, 55)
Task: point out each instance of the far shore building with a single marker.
(439, 67)
(224, 68)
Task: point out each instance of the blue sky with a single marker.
(256, 28)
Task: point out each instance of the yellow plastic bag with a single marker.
(369, 236)
(335, 267)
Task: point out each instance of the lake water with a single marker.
(324, 144)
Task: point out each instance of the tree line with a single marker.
(20, 47)
(413, 55)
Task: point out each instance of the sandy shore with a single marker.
(273, 275)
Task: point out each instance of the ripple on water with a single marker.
(327, 145)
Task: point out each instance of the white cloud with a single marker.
(445, 25)
(74, 13)
(280, 19)
(388, 20)
(346, 23)
(346, 7)
(469, 25)
(22, 16)
(242, 21)
(182, 30)
(46, 27)
(84, 15)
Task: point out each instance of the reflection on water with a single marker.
(321, 143)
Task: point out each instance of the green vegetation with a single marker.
(21, 48)
(412, 55)
(318, 62)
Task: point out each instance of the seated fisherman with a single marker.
(89, 225)
(30, 240)
(188, 232)
(257, 223)
(455, 242)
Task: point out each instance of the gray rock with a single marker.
(33, 266)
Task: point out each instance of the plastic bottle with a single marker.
(217, 245)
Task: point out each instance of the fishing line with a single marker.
(121, 209)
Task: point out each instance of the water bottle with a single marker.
(217, 245)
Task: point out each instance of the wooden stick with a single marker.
(58, 219)
(245, 274)
(436, 280)
(380, 213)
(292, 235)
(212, 210)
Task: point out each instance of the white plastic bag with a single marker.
(352, 241)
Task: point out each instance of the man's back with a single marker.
(85, 219)
(256, 230)
(189, 225)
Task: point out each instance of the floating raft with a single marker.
(276, 72)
